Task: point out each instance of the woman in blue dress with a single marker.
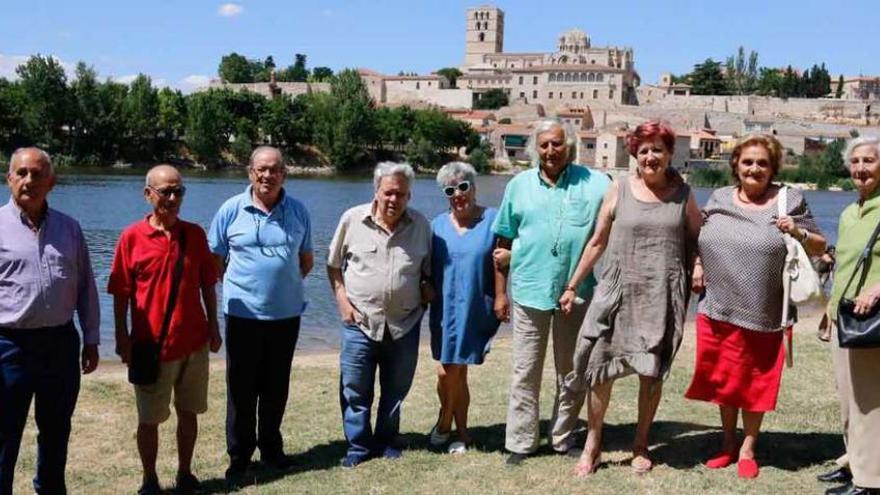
(463, 320)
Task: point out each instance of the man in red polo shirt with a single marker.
(141, 279)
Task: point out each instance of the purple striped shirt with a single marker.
(46, 275)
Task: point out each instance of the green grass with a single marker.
(798, 441)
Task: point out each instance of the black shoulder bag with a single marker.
(859, 331)
(143, 365)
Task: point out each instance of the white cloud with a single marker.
(230, 10)
(190, 83)
(125, 79)
(8, 63)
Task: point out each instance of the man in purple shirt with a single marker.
(45, 275)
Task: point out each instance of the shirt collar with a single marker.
(367, 214)
(561, 181)
(151, 231)
(248, 203)
(18, 213)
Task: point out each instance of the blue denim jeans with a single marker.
(40, 365)
(358, 360)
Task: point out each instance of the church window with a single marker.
(567, 77)
(582, 95)
(535, 93)
(573, 95)
(610, 94)
(550, 95)
(591, 77)
(485, 25)
(476, 15)
(595, 94)
(599, 77)
(552, 77)
(417, 85)
(478, 28)
(522, 94)
(534, 79)
(520, 80)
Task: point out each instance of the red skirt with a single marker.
(736, 367)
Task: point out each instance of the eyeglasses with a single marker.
(166, 192)
(462, 187)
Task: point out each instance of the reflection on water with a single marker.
(105, 204)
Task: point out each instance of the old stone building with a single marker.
(577, 74)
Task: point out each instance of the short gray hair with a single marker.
(387, 169)
(852, 144)
(455, 170)
(545, 125)
(263, 149)
(16, 155)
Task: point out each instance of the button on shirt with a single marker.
(381, 271)
(262, 279)
(46, 275)
(549, 227)
(143, 268)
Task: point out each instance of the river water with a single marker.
(105, 204)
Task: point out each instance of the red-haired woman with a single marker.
(650, 221)
(742, 253)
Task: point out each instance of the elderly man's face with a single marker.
(266, 174)
(864, 168)
(165, 193)
(30, 180)
(392, 195)
(553, 151)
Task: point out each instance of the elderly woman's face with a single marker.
(864, 167)
(653, 158)
(463, 196)
(552, 150)
(754, 168)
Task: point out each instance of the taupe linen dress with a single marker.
(636, 318)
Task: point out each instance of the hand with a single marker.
(427, 292)
(89, 358)
(698, 285)
(566, 301)
(347, 311)
(865, 302)
(786, 224)
(216, 340)
(123, 347)
(501, 258)
(502, 307)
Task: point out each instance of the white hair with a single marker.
(16, 155)
(852, 144)
(455, 170)
(548, 124)
(387, 169)
(266, 149)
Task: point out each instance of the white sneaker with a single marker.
(438, 439)
(457, 447)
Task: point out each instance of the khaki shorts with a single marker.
(188, 377)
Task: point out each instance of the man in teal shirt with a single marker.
(547, 215)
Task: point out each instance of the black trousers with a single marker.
(259, 354)
(41, 366)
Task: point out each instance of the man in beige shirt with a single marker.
(379, 262)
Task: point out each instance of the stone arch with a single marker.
(568, 77)
(591, 77)
(552, 77)
(599, 77)
(482, 36)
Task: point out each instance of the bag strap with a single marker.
(866, 253)
(175, 285)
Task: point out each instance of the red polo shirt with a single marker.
(143, 267)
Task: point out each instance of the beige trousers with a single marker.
(531, 330)
(857, 372)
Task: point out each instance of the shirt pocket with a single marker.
(61, 266)
(362, 257)
(577, 212)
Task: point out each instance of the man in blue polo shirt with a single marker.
(547, 215)
(261, 239)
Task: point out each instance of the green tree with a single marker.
(480, 157)
(421, 153)
(207, 124)
(491, 100)
(142, 119)
(322, 74)
(296, 72)
(353, 120)
(838, 93)
(394, 126)
(282, 122)
(770, 82)
(235, 68)
(450, 73)
(741, 75)
(707, 79)
(13, 132)
(49, 102)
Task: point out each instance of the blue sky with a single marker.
(179, 43)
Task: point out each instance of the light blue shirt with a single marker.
(549, 227)
(262, 279)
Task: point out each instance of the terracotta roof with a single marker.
(432, 77)
(569, 68)
(369, 72)
(515, 129)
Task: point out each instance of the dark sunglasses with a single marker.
(166, 192)
(463, 187)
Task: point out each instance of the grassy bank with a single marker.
(800, 437)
